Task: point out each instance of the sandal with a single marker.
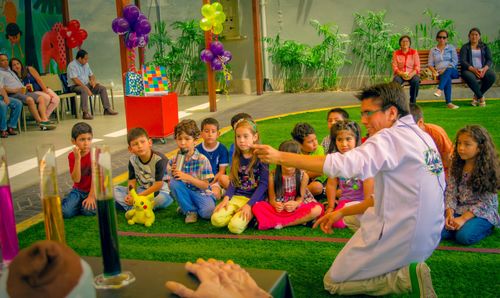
(474, 102)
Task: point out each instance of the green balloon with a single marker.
(205, 24)
(218, 28)
(207, 10)
(219, 17)
(217, 6)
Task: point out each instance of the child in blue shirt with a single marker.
(216, 153)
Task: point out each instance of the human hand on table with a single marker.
(218, 279)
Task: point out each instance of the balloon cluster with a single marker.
(73, 34)
(216, 56)
(134, 25)
(213, 17)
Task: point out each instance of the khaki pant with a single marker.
(395, 282)
(229, 217)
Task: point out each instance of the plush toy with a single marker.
(143, 210)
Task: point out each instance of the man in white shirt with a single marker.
(82, 81)
(403, 228)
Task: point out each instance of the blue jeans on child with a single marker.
(72, 204)
(192, 201)
(473, 231)
(16, 106)
(445, 82)
(161, 201)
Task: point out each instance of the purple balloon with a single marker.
(141, 17)
(120, 26)
(142, 27)
(217, 48)
(132, 40)
(143, 41)
(206, 56)
(131, 13)
(216, 64)
(227, 56)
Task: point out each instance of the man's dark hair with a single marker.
(81, 54)
(301, 131)
(340, 111)
(79, 129)
(239, 116)
(209, 121)
(136, 133)
(387, 95)
(187, 126)
(416, 112)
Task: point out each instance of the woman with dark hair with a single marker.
(443, 61)
(32, 80)
(406, 66)
(475, 57)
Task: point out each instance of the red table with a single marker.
(158, 115)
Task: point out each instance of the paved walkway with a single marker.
(110, 130)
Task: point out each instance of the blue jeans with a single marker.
(445, 82)
(192, 201)
(473, 231)
(72, 204)
(16, 107)
(161, 201)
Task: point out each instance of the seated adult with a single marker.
(30, 77)
(406, 66)
(476, 61)
(443, 61)
(16, 106)
(16, 89)
(404, 225)
(82, 81)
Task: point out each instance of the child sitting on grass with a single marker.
(216, 153)
(249, 179)
(290, 202)
(189, 177)
(305, 135)
(346, 135)
(146, 170)
(333, 116)
(471, 192)
(81, 198)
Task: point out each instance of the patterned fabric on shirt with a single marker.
(460, 198)
(290, 188)
(197, 166)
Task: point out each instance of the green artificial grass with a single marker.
(455, 274)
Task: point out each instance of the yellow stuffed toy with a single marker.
(143, 210)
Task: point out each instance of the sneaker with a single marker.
(452, 106)
(421, 282)
(437, 93)
(191, 217)
(46, 125)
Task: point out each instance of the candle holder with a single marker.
(49, 193)
(8, 235)
(112, 277)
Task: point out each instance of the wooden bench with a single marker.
(423, 55)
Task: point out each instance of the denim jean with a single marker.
(72, 204)
(16, 107)
(473, 231)
(445, 82)
(192, 201)
(161, 201)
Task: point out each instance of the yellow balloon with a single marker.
(205, 24)
(207, 10)
(217, 6)
(218, 28)
(219, 17)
